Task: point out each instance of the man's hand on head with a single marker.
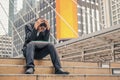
(38, 22)
(48, 25)
(41, 28)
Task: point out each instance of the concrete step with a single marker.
(46, 62)
(115, 65)
(19, 69)
(59, 77)
(109, 64)
(17, 77)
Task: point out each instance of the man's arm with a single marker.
(46, 36)
(30, 32)
(47, 32)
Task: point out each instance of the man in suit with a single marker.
(37, 47)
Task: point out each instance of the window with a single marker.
(102, 17)
(88, 20)
(118, 5)
(119, 21)
(93, 21)
(113, 2)
(118, 15)
(114, 17)
(93, 1)
(102, 12)
(118, 10)
(115, 22)
(114, 12)
(113, 7)
(79, 10)
(79, 18)
(103, 22)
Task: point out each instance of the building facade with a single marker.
(28, 4)
(115, 12)
(105, 14)
(88, 16)
(109, 12)
(6, 47)
(12, 11)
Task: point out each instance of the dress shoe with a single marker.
(60, 71)
(29, 71)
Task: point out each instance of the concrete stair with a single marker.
(18, 69)
(59, 77)
(46, 62)
(13, 69)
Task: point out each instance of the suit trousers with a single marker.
(40, 49)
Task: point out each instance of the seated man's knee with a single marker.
(50, 45)
(30, 44)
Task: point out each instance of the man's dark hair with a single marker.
(43, 24)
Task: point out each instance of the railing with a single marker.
(96, 47)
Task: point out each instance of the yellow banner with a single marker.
(68, 11)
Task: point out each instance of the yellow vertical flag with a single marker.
(68, 11)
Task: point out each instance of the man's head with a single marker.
(40, 25)
(43, 25)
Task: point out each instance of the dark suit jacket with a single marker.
(31, 35)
